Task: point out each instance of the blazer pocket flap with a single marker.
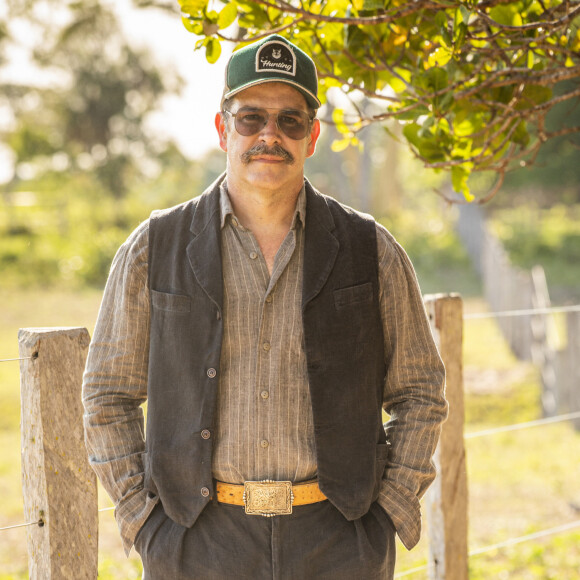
(170, 302)
(353, 295)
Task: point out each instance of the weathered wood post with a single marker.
(573, 353)
(447, 500)
(58, 485)
(542, 353)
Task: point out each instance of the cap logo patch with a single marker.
(276, 56)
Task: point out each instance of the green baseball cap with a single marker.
(272, 59)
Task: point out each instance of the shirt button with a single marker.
(253, 255)
(264, 394)
(235, 222)
(205, 434)
(264, 443)
(211, 373)
(204, 491)
(266, 346)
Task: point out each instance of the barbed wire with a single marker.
(524, 312)
(505, 544)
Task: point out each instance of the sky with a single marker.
(189, 118)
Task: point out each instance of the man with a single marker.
(267, 326)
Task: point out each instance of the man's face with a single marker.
(268, 160)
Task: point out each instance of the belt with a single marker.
(269, 498)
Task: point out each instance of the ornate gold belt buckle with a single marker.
(268, 498)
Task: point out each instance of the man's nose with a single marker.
(270, 130)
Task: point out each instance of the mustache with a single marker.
(263, 149)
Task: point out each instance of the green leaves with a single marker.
(227, 16)
(471, 82)
(459, 177)
(207, 23)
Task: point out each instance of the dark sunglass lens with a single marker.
(293, 123)
(250, 122)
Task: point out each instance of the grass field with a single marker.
(519, 483)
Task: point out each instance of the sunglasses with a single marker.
(294, 124)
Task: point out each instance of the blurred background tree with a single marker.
(93, 118)
(81, 166)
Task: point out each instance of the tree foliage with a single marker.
(471, 81)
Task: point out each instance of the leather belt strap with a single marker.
(301, 493)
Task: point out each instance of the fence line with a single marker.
(523, 312)
(522, 301)
(519, 426)
(499, 545)
(21, 358)
(39, 523)
(50, 444)
(473, 435)
(527, 538)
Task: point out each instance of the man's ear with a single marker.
(220, 125)
(314, 134)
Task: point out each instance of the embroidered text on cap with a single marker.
(276, 56)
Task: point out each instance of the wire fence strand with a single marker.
(535, 536)
(527, 425)
(40, 522)
(525, 312)
(37, 523)
(505, 544)
(21, 358)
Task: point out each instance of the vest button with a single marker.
(269, 298)
(264, 443)
(204, 491)
(205, 434)
(264, 394)
(266, 346)
(211, 373)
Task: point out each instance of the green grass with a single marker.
(519, 483)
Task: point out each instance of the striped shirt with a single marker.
(264, 420)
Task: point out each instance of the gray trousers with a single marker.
(315, 542)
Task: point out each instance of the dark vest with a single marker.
(343, 342)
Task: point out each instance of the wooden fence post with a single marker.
(447, 500)
(542, 350)
(572, 380)
(58, 485)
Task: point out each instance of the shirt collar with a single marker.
(226, 208)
